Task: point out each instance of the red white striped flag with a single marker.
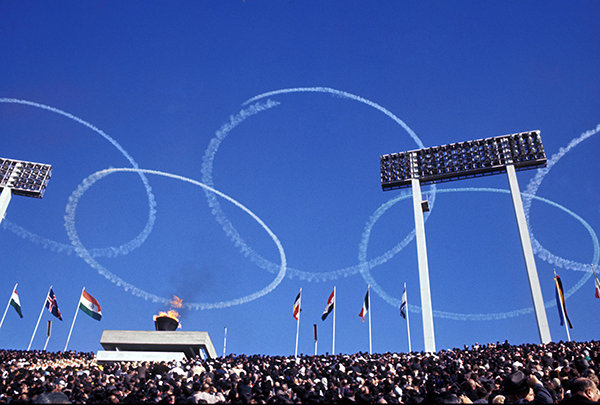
(597, 283)
(296, 307)
(329, 306)
(365, 307)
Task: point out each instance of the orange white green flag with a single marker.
(90, 305)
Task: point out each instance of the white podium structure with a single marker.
(140, 345)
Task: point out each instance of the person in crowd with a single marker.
(583, 391)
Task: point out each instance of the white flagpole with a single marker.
(407, 321)
(315, 330)
(369, 299)
(8, 305)
(298, 323)
(225, 342)
(48, 334)
(334, 308)
(39, 318)
(562, 308)
(75, 317)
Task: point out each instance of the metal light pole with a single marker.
(426, 308)
(506, 153)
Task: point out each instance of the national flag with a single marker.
(90, 306)
(329, 306)
(52, 305)
(560, 301)
(403, 304)
(296, 307)
(365, 307)
(16, 304)
(597, 283)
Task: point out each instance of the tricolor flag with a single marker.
(52, 305)
(403, 304)
(296, 307)
(90, 306)
(329, 306)
(560, 301)
(597, 283)
(16, 304)
(365, 307)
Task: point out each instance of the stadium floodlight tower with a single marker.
(22, 178)
(506, 153)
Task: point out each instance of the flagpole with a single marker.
(370, 341)
(225, 342)
(48, 334)
(298, 324)
(39, 318)
(562, 307)
(8, 304)
(315, 330)
(75, 317)
(407, 321)
(334, 308)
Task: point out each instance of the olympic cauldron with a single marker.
(167, 321)
(165, 343)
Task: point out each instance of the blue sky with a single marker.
(163, 86)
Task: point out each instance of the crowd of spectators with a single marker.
(492, 373)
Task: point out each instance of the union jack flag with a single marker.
(52, 304)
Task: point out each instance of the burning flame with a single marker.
(175, 302)
(171, 314)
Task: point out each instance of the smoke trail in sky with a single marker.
(364, 266)
(362, 255)
(229, 229)
(37, 239)
(65, 248)
(532, 189)
(70, 212)
(342, 94)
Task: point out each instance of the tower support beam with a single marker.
(426, 312)
(4, 200)
(532, 275)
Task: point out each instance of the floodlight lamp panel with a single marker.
(24, 178)
(461, 160)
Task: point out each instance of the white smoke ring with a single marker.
(532, 189)
(70, 213)
(95, 252)
(229, 229)
(459, 316)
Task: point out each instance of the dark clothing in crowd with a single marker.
(549, 373)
